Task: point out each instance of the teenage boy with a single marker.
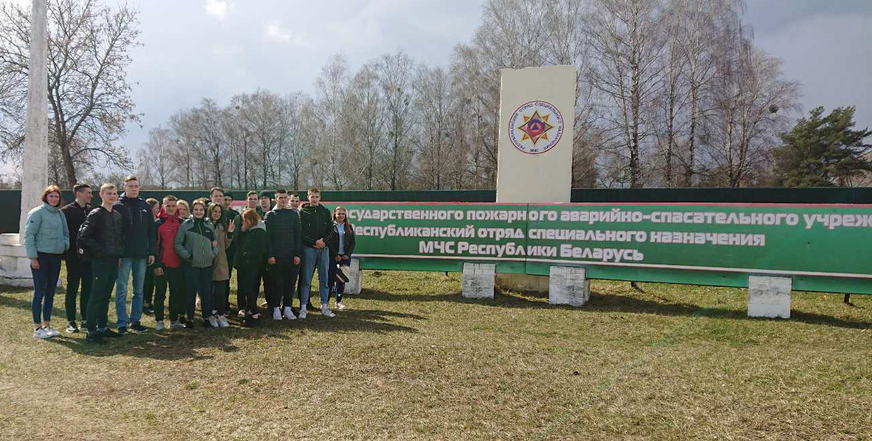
(148, 286)
(283, 251)
(168, 269)
(251, 201)
(265, 204)
(101, 239)
(317, 227)
(78, 270)
(138, 254)
(295, 205)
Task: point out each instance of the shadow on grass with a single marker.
(611, 303)
(184, 344)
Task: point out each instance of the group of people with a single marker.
(188, 251)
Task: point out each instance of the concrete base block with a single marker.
(568, 286)
(14, 264)
(769, 297)
(355, 277)
(478, 280)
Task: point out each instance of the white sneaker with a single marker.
(277, 314)
(241, 314)
(326, 312)
(289, 314)
(159, 326)
(340, 306)
(213, 321)
(177, 325)
(222, 321)
(40, 334)
(52, 332)
(302, 315)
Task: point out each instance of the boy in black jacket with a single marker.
(78, 270)
(283, 250)
(317, 229)
(139, 243)
(101, 240)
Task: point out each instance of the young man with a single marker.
(251, 201)
(138, 254)
(148, 294)
(265, 204)
(283, 251)
(295, 205)
(317, 227)
(168, 267)
(101, 239)
(78, 270)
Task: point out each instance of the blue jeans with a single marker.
(311, 258)
(45, 282)
(137, 266)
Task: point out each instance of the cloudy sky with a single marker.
(217, 48)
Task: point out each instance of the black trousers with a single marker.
(78, 271)
(284, 282)
(175, 279)
(105, 272)
(248, 280)
(148, 286)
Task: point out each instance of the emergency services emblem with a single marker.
(536, 127)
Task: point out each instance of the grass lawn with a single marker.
(411, 359)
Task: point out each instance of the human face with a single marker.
(199, 211)
(53, 198)
(84, 196)
(295, 202)
(183, 211)
(228, 201)
(155, 209)
(252, 201)
(314, 199)
(215, 213)
(340, 215)
(264, 203)
(282, 199)
(217, 197)
(109, 196)
(131, 188)
(170, 207)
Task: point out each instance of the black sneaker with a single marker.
(72, 328)
(340, 276)
(138, 328)
(122, 330)
(95, 337)
(108, 333)
(147, 309)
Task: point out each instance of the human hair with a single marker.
(281, 191)
(152, 201)
(250, 193)
(294, 194)
(130, 178)
(210, 209)
(250, 216)
(314, 190)
(185, 204)
(52, 189)
(80, 187)
(169, 198)
(214, 189)
(228, 195)
(348, 227)
(108, 186)
(195, 203)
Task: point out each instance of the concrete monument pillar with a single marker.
(14, 264)
(537, 115)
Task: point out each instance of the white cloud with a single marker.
(216, 8)
(275, 32)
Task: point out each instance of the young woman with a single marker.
(341, 246)
(224, 228)
(184, 210)
(46, 237)
(250, 261)
(197, 245)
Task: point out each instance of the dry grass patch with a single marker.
(411, 359)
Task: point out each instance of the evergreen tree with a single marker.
(823, 151)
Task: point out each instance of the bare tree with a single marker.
(89, 95)
(395, 78)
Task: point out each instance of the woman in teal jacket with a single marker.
(197, 245)
(46, 237)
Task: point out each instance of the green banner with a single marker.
(820, 246)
